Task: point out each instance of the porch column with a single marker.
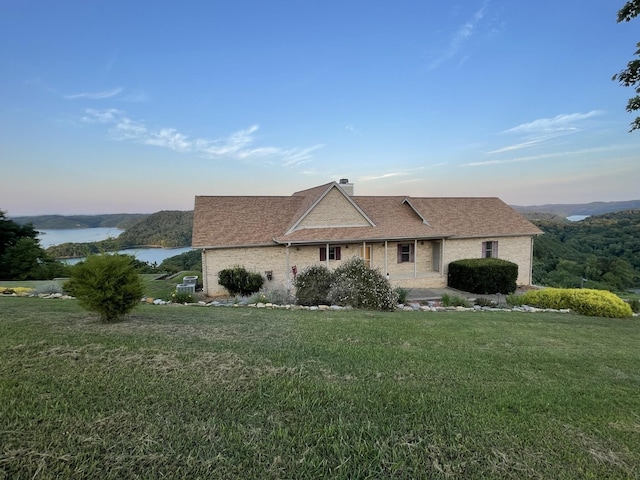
(288, 278)
(386, 267)
(442, 257)
(326, 260)
(415, 258)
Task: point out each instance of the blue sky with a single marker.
(114, 106)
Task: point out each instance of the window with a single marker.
(489, 249)
(334, 253)
(405, 253)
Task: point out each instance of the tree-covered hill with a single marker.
(167, 229)
(62, 222)
(569, 209)
(601, 251)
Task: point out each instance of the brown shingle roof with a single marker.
(247, 220)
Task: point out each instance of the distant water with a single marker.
(49, 238)
(577, 218)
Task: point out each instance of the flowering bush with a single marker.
(182, 297)
(357, 285)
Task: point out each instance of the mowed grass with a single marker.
(188, 392)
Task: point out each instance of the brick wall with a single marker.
(280, 260)
(334, 210)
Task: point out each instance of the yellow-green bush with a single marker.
(19, 291)
(586, 301)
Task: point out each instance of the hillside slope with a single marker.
(63, 222)
(603, 249)
(569, 209)
(167, 228)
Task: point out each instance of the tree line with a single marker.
(601, 251)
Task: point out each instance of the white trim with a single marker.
(408, 202)
(333, 185)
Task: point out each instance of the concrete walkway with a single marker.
(431, 294)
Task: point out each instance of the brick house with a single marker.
(413, 239)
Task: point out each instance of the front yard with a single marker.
(184, 392)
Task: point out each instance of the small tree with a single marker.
(239, 281)
(106, 284)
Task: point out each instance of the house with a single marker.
(412, 239)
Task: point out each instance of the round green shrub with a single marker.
(312, 285)
(239, 281)
(585, 301)
(106, 284)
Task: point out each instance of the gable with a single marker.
(334, 209)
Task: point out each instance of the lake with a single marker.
(49, 238)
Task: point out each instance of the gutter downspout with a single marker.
(205, 281)
(530, 273)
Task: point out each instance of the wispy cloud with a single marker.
(381, 177)
(239, 145)
(95, 95)
(543, 156)
(544, 130)
(562, 122)
(403, 173)
(118, 93)
(459, 38)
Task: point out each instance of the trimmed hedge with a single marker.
(585, 301)
(483, 275)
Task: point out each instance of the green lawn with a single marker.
(189, 392)
(154, 285)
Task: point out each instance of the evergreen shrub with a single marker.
(483, 275)
(312, 285)
(238, 281)
(585, 301)
(106, 284)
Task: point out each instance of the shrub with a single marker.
(312, 285)
(585, 301)
(483, 275)
(48, 288)
(635, 305)
(277, 294)
(484, 302)
(182, 297)
(402, 294)
(454, 301)
(239, 281)
(106, 284)
(357, 285)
